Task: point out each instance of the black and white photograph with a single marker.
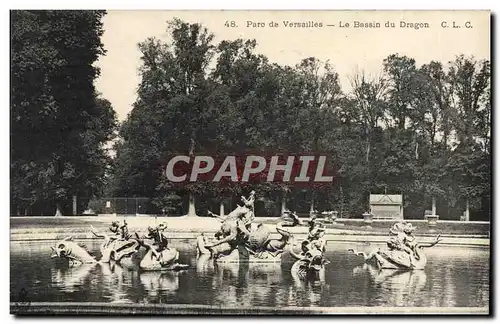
(250, 162)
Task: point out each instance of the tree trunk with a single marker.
(283, 203)
(467, 209)
(433, 205)
(367, 150)
(433, 135)
(221, 212)
(192, 145)
(58, 210)
(368, 134)
(191, 208)
(341, 201)
(75, 209)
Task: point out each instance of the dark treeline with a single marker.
(419, 130)
(58, 123)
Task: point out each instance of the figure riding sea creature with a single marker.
(310, 262)
(274, 247)
(239, 240)
(402, 251)
(118, 245)
(158, 255)
(316, 232)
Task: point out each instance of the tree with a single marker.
(470, 80)
(169, 114)
(469, 163)
(369, 96)
(400, 72)
(58, 123)
(396, 133)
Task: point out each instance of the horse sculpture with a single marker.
(402, 252)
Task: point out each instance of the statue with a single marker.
(119, 244)
(402, 252)
(240, 240)
(316, 233)
(245, 212)
(116, 247)
(310, 262)
(158, 237)
(277, 246)
(74, 253)
(158, 255)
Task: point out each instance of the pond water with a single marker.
(454, 277)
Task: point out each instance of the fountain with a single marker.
(241, 240)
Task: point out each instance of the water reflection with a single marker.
(118, 281)
(453, 277)
(124, 281)
(264, 281)
(462, 272)
(156, 282)
(396, 286)
(307, 292)
(70, 279)
(241, 284)
(204, 264)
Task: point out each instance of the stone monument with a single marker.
(386, 206)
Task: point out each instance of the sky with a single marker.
(348, 49)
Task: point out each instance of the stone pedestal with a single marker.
(368, 219)
(330, 217)
(432, 222)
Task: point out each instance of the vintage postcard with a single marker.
(250, 162)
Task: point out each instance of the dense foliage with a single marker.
(420, 130)
(59, 124)
(423, 131)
